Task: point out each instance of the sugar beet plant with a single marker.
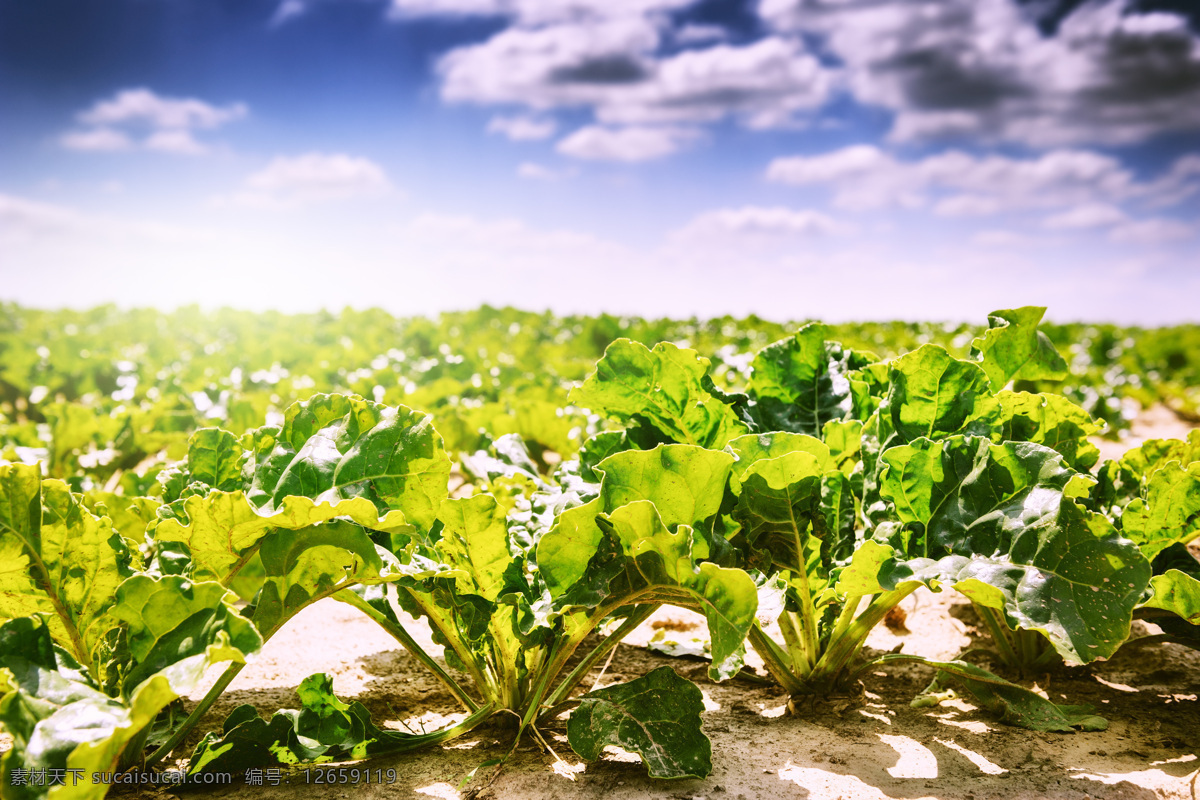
(854, 482)
(469, 566)
(794, 515)
(346, 499)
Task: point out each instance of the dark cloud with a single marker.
(617, 69)
(939, 79)
(1041, 73)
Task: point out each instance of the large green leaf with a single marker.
(993, 521)
(800, 384)
(1012, 348)
(222, 530)
(1047, 419)
(169, 619)
(1144, 459)
(844, 439)
(756, 447)
(1123, 480)
(215, 459)
(685, 483)
(337, 447)
(1168, 513)
(932, 394)
(301, 567)
(59, 722)
(656, 716)
(130, 516)
(1178, 592)
(640, 558)
(662, 387)
(475, 541)
(779, 508)
(57, 559)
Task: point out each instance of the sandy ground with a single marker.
(1156, 422)
(879, 747)
(876, 748)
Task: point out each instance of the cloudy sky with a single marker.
(839, 159)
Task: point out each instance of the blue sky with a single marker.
(840, 159)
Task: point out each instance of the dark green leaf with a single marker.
(656, 716)
(993, 521)
(1016, 705)
(800, 384)
(324, 729)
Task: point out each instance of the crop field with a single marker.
(503, 554)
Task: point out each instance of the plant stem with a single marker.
(801, 657)
(846, 646)
(776, 660)
(849, 609)
(808, 613)
(486, 684)
(534, 701)
(199, 711)
(444, 735)
(411, 645)
(639, 615)
(1001, 635)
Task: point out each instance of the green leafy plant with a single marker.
(92, 654)
(859, 481)
(794, 493)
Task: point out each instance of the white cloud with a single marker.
(533, 12)
(26, 223)
(764, 84)
(958, 184)
(178, 142)
(1092, 215)
(611, 65)
(537, 172)
(757, 224)
(139, 118)
(1152, 232)
(523, 128)
(692, 33)
(598, 143)
(287, 11)
(291, 181)
(983, 69)
(157, 112)
(96, 140)
(556, 65)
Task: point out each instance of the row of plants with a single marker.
(100, 393)
(794, 515)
